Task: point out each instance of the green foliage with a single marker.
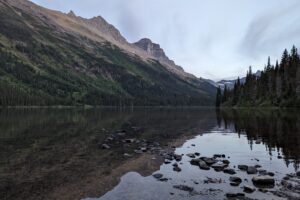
(277, 85)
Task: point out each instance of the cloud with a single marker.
(272, 32)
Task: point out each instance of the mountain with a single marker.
(230, 83)
(52, 58)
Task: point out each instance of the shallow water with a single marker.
(55, 154)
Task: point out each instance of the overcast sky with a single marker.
(209, 38)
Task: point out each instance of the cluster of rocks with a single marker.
(289, 187)
(133, 145)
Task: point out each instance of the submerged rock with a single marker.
(195, 161)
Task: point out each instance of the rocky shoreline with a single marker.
(262, 180)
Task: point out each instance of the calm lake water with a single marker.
(59, 154)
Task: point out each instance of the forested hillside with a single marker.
(46, 63)
(278, 85)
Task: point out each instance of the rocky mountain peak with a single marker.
(153, 49)
(71, 14)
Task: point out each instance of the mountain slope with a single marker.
(51, 58)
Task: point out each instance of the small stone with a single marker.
(193, 145)
(271, 174)
(226, 162)
(157, 176)
(195, 161)
(219, 166)
(233, 195)
(105, 146)
(197, 154)
(243, 167)
(257, 166)
(163, 179)
(177, 157)
(229, 171)
(177, 169)
(184, 188)
(251, 170)
(234, 184)
(279, 157)
(191, 155)
(248, 189)
(208, 161)
(298, 173)
(129, 140)
(235, 179)
(167, 162)
(127, 155)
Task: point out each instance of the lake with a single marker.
(113, 153)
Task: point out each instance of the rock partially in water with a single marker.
(251, 170)
(229, 171)
(157, 176)
(219, 166)
(243, 167)
(191, 155)
(212, 180)
(195, 161)
(234, 195)
(226, 162)
(177, 157)
(208, 161)
(177, 169)
(203, 165)
(249, 188)
(263, 180)
(197, 153)
(105, 146)
(235, 179)
(184, 188)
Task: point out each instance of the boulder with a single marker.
(235, 179)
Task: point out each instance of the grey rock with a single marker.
(219, 166)
(191, 155)
(195, 161)
(208, 161)
(105, 146)
(177, 157)
(197, 154)
(184, 188)
(249, 189)
(263, 180)
(234, 195)
(203, 165)
(226, 162)
(243, 167)
(251, 170)
(157, 176)
(229, 171)
(235, 184)
(235, 179)
(177, 169)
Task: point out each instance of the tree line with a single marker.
(278, 85)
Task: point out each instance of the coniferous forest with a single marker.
(278, 85)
